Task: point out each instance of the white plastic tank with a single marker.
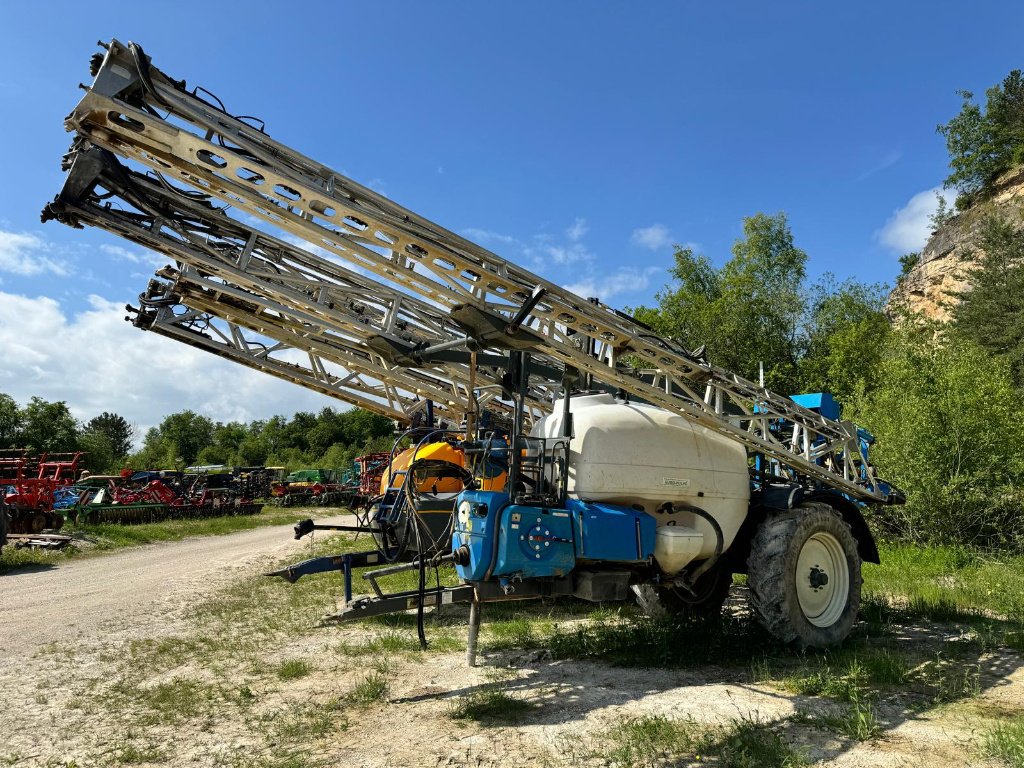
(635, 454)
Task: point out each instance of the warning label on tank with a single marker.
(676, 482)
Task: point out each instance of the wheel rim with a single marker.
(822, 579)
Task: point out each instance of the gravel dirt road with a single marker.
(75, 599)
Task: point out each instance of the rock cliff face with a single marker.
(945, 260)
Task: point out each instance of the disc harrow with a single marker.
(136, 514)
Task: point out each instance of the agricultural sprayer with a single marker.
(625, 466)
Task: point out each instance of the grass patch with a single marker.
(109, 536)
(857, 720)
(842, 675)
(649, 740)
(947, 680)
(858, 673)
(1005, 741)
(309, 720)
(176, 699)
(97, 539)
(132, 754)
(293, 669)
(948, 583)
(753, 744)
(519, 633)
(490, 704)
(659, 741)
(372, 688)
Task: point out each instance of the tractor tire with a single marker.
(805, 577)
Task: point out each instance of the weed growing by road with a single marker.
(857, 719)
(490, 703)
(293, 669)
(659, 741)
(371, 688)
(1005, 741)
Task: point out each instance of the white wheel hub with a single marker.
(822, 579)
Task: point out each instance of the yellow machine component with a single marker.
(436, 480)
(428, 481)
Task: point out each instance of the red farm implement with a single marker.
(28, 484)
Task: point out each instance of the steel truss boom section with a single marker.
(235, 272)
(204, 310)
(136, 111)
(209, 333)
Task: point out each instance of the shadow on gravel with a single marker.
(16, 567)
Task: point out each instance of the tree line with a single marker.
(329, 439)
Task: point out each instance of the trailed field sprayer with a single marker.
(564, 467)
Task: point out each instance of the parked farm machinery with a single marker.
(142, 498)
(312, 488)
(29, 484)
(628, 466)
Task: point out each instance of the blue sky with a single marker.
(581, 139)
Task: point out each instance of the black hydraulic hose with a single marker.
(719, 544)
(420, 631)
(142, 66)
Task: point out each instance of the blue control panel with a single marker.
(507, 540)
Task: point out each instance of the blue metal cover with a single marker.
(475, 528)
(535, 542)
(822, 402)
(608, 532)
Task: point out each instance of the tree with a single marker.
(48, 427)
(118, 431)
(907, 263)
(846, 330)
(747, 312)
(99, 452)
(991, 311)
(181, 436)
(947, 420)
(983, 145)
(10, 421)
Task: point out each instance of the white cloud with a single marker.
(541, 250)
(654, 237)
(97, 362)
(26, 254)
(606, 286)
(909, 228)
(577, 230)
(487, 236)
(559, 254)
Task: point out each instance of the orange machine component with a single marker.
(437, 480)
(428, 481)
